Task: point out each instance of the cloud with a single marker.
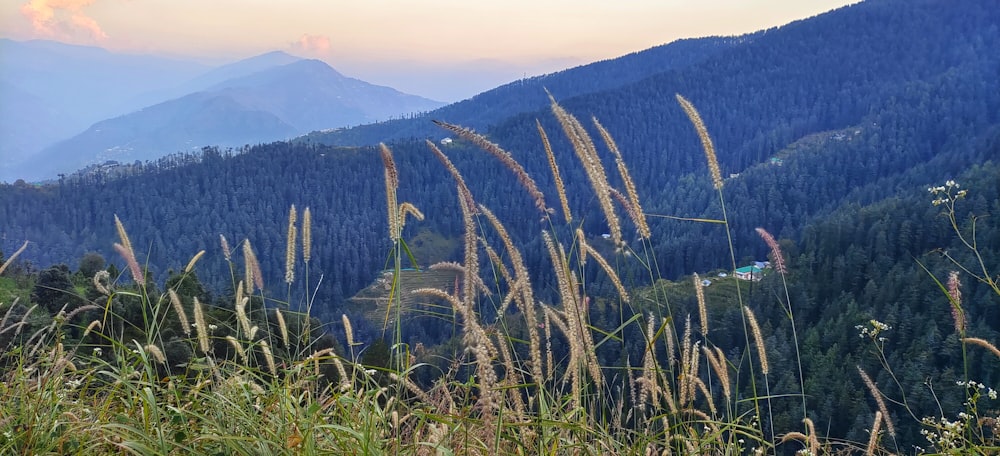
(63, 19)
(314, 45)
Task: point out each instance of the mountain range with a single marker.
(828, 133)
(72, 106)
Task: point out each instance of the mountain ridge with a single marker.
(275, 103)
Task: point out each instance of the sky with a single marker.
(446, 50)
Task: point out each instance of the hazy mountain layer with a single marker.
(276, 103)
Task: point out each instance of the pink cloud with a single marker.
(62, 19)
(312, 44)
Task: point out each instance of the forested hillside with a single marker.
(828, 131)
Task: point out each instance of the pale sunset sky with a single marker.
(442, 49)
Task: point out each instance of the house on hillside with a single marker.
(752, 273)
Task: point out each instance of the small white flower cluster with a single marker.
(944, 435)
(980, 388)
(947, 435)
(873, 330)
(74, 384)
(943, 193)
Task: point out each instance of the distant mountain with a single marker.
(88, 83)
(276, 103)
(217, 76)
(311, 95)
(71, 87)
(25, 122)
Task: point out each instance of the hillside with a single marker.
(273, 104)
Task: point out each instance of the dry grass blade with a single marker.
(227, 253)
(478, 343)
(268, 357)
(779, 258)
(122, 235)
(878, 400)
(706, 140)
(982, 343)
(348, 330)
(133, 264)
(638, 217)
(471, 246)
(194, 260)
(955, 298)
(717, 360)
(201, 327)
(282, 327)
(408, 209)
(12, 257)
(556, 176)
(156, 353)
(813, 441)
(505, 157)
(175, 301)
(630, 209)
(128, 253)
(306, 235)
(254, 277)
(290, 246)
(758, 340)
(523, 296)
(585, 151)
(648, 386)
(591, 252)
(873, 437)
(463, 189)
(699, 292)
(575, 319)
(391, 185)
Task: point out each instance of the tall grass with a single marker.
(247, 377)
